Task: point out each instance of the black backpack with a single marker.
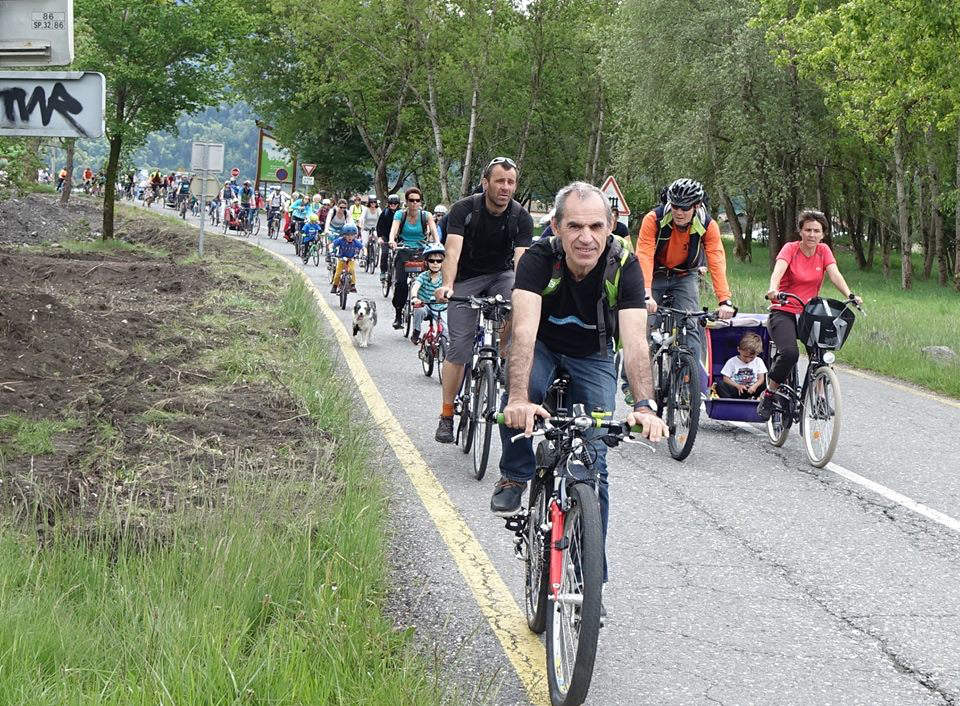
(513, 216)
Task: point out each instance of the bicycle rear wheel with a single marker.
(778, 426)
(407, 319)
(683, 407)
(484, 399)
(536, 568)
(573, 622)
(820, 425)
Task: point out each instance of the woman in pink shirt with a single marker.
(800, 268)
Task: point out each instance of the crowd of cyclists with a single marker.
(563, 316)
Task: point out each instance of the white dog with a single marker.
(364, 319)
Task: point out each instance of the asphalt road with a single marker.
(740, 576)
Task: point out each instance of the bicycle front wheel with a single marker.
(387, 285)
(821, 416)
(315, 253)
(466, 428)
(536, 569)
(440, 357)
(426, 356)
(345, 284)
(573, 623)
(484, 400)
(683, 407)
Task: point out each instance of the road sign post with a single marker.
(206, 158)
(36, 33)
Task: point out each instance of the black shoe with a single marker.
(333, 289)
(415, 338)
(765, 407)
(398, 323)
(506, 497)
(445, 430)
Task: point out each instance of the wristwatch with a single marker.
(725, 302)
(649, 404)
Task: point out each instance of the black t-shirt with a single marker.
(568, 316)
(621, 230)
(487, 247)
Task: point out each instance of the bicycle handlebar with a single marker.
(782, 298)
(620, 430)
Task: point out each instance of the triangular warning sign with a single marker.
(611, 189)
(308, 169)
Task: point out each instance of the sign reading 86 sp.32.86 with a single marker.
(52, 103)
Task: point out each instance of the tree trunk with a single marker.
(823, 203)
(920, 218)
(886, 239)
(956, 232)
(903, 217)
(70, 145)
(873, 233)
(934, 249)
(471, 136)
(775, 238)
(110, 188)
(855, 223)
(739, 250)
(595, 157)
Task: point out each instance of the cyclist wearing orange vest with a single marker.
(676, 239)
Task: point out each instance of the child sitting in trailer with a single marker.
(745, 374)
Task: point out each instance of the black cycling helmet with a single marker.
(393, 198)
(685, 193)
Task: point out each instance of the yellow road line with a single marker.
(507, 621)
(900, 386)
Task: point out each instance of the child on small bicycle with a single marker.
(346, 246)
(423, 288)
(744, 374)
(311, 232)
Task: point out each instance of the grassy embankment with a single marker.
(267, 592)
(897, 325)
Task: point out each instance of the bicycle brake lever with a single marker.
(521, 435)
(632, 440)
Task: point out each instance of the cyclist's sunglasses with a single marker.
(414, 200)
(437, 260)
(501, 160)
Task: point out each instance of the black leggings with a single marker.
(783, 331)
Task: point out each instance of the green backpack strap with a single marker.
(556, 277)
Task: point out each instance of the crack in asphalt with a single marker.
(793, 579)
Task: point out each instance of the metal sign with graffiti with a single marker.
(52, 103)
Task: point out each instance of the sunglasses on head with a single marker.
(502, 160)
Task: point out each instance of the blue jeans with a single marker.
(593, 383)
(686, 295)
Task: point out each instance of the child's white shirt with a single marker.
(744, 373)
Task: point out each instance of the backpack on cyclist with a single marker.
(608, 296)
(423, 220)
(513, 218)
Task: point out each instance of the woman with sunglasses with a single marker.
(421, 293)
(412, 229)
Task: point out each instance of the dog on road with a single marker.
(364, 319)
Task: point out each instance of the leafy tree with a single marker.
(161, 58)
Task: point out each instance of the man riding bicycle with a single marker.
(675, 239)
(486, 235)
(576, 294)
(247, 201)
(384, 225)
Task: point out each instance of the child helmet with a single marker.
(313, 218)
(349, 229)
(433, 248)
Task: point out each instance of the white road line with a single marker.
(888, 493)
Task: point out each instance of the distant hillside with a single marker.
(233, 125)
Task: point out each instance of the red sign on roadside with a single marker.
(308, 169)
(611, 189)
(235, 172)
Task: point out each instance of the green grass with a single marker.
(112, 245)
(33, 437)
(273, 597)
(897, 325)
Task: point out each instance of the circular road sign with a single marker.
(235, 172)
(281, 174)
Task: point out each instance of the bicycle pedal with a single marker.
(517, 523)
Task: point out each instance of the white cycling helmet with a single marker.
(433, 248)
(440, 210)
(326, 202)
